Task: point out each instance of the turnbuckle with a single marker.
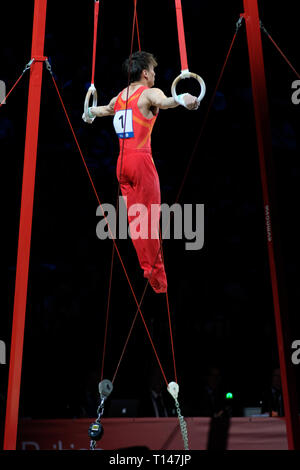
(27, 67)
(95, 431)
(239, 22)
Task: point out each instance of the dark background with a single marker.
(220, 297)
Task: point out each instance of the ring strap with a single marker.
(181, 36)
(96, 14)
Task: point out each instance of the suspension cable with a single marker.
(27, 67)
(169, 313)
(14, 86)
(279, 50)
(137, 25)
(206, 116)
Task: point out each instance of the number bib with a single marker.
(122, 118)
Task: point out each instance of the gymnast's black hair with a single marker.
(138, 62)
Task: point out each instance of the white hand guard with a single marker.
(89, 118)
(180, 99)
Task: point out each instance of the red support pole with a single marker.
(264, 139)
(33, 112)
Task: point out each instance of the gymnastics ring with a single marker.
(186, 74)
(91, 92)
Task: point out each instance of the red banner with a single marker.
(155, 434)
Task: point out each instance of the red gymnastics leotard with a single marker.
(139, 185)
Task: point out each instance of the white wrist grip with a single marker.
(180, 99)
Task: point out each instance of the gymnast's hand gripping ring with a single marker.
(186, 74)
(91, 92)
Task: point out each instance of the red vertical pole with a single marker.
(263, 130)
(33, 112)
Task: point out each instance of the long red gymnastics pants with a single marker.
(139, 183)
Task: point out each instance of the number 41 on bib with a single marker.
(123, 123)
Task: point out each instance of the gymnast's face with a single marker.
(150, 75)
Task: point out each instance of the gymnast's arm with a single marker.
(101, 111)
(158, 99)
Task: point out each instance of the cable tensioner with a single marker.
(173, 389)
(96, 430)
